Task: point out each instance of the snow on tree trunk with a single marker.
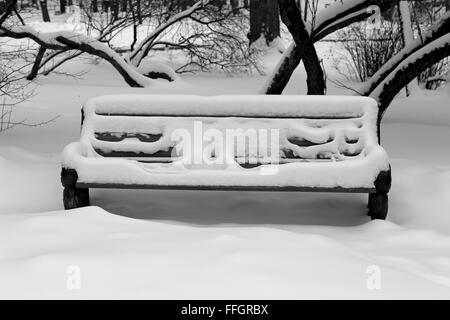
(281, 74)
(405, 17)
(408, 39)
(303, 49)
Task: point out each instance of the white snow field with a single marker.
(205, 244)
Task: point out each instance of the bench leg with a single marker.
(73, 197)
(378, 205)
(369, 202)
(378, 201)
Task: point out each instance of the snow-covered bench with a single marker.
(303, 143)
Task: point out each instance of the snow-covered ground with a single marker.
(180, 244)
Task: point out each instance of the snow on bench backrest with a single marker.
(309, 127)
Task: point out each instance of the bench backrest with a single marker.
(309, 128)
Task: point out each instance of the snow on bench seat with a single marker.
(326, 142)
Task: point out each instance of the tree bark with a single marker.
(303, 49)
(115, 6)
(94, 5)
(62, 6)
(8, 10)
(235, 6)
(138, 9)
(264, 20)
(44, 10)
(315, 77)
(37, 63)
(123, 5)
(289, 62)
(106, 5)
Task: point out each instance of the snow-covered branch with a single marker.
(335, 17)
(343, 13)
(405, 18)
(416, 62)
(65, 40)
(378, 80)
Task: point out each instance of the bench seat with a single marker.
(94, 170)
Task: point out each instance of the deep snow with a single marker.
(173, 244)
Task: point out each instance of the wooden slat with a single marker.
(166, 157)
(224, 188)
(228, 116)
(304, 143)
(131, 154)
(119, 136)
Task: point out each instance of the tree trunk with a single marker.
(235, 6)
(62, 6)
(44, 10)
(139, 16)
(94, 5)
(115, 9)
(264, 20)
(124, 5)
(281, 76)
(315, 77)
(184, 4)
(303, 49)
(218, 3)
(37, 63)
(106, 5)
